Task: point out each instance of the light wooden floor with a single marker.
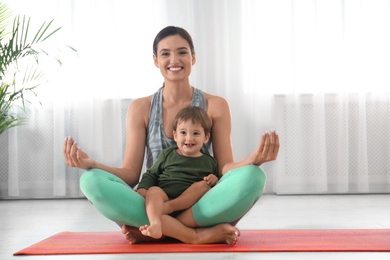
(25, 222)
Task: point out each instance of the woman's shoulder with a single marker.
(141, 105)
(216, 104)
(142, 102)
(214, 100)
(139, 108)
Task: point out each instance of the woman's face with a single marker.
(174, 58)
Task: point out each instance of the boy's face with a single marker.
(190, 138)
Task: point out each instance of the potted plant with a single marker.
(19, 46)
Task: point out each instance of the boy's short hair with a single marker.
(196, 114)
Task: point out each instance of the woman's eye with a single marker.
(183, 53)
(165, 54)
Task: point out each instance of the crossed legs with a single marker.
(157, 203)
(227, 202)
(177, 228)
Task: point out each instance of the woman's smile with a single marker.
(175, 68)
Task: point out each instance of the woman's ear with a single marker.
(155, 61)
(193, 59)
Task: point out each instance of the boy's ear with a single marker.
(174, 135)
(207, 137)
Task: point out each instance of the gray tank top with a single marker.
(156, 140)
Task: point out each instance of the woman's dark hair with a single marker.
(172, 30)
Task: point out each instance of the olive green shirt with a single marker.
(174, 173)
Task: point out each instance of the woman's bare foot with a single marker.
(154, 230)
(134, 235)
(219, 234)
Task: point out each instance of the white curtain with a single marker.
(315, 70)
(333, 143)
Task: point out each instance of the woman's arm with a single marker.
(137, 119)
(266, 151)
(219, 112)
(137, 123)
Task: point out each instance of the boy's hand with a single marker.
(211, 180)
(142, 192)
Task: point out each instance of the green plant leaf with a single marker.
(13, 52)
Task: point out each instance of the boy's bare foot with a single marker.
(219, 234)
(154, 230)
(134, 235)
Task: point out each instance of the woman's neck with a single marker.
(177, 92)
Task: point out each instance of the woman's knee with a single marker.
(94, 183)
(90, 183)
(250, 179)
(253, 179)
(114, 198)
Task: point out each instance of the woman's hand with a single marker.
(75, 157)
(267, 150)
(211, 180)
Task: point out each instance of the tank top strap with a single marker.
(198, 99)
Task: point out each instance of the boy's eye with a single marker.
(183, 132)
(196, 133)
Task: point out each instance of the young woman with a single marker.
(149, 129)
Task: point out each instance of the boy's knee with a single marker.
(155, 190)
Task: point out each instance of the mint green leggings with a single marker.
(227, 202)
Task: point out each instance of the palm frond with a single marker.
(5, 14)
(7, 118)
(17, 48)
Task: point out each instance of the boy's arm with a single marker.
(211, 179)
(150, 177)
(142, 192)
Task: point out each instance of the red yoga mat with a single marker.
(356, 240)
